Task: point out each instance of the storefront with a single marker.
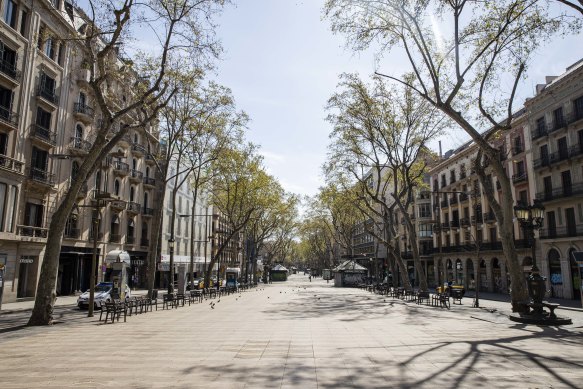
(138, 274)
(74, 270)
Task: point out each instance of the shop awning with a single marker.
(117, 256)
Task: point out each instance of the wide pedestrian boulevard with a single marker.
(296, 334)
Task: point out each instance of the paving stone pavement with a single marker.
(297, 334)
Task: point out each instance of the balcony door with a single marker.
(563, 148)
(552, 224)
(548, 187)
(570, 222)
(566, 181)
(33, 215)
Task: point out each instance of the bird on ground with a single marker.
(219, 300)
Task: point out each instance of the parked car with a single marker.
(102, 295)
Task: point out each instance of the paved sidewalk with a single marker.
(302, 335)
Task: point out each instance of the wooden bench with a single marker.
(168, 301)
(114, 310)
(196, 296)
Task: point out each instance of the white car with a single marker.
(102, 295)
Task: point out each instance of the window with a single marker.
(43, 118)
(47, 84)
(116, 187)
(33, 215)
(82, 99)
(523, 197)
(132, 193)
(50, 48)
(3, 203)
(3, 143)
(78, 131)
(452, 176)
(10, 13)
(541, 125)
(520, 168)
(425, 230)
(23, 22)
(578, 108)
(558, 118)
(39, 159)
(6, 99)
(424, 210)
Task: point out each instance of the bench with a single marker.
(168, 301)
(440, 299)
(114, 309)
(195, 295)
(537, 308)
(152, 300)
(422, 296)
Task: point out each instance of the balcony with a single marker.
(445, 225)
(90, 237)
(477, 219)
(558, 124)
(522, 243)
(561, 232)
(562, 192)
(117, 205)
(149, 212)
(130, 240)
(517, 149)
(42, 177)
(32, 231)
(49, 95)
(121, 168)
(114, 238)
(107, 161)
(136, 176)
(43, 135)
(72, 233)
(150, 159)
(149, 181)
(83, 77)
(454, 224)
(8, 118)
(10, 72)
(10, 164)
(463, 197)
(133, 207)
(453, 200)
(465, 222)
(576, 151)
(83, 112)
(520, 177)
(144, 242)
(539, 132)
(489, 217)
(79, 146)
(444, 204)
(138, 149)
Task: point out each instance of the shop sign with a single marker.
(26, 260)
(163, 266)
(138, 262)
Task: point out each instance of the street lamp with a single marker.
(531, 218)
(171, 270)
(99, 197)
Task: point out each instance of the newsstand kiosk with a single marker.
(117, 264)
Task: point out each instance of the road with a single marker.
(297, 334)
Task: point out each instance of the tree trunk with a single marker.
(155, 232)
(42, 313)
(415, 251)
(401, 265)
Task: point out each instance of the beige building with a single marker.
(555, 122)
(46, 110)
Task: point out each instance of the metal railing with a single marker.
(136, 174)
(134, 207)
(44, 134)
(561, 192)
(121, 166)
(115, 238)
(48, 94)
(8, 117)
(148, 211)
(520, 177)
(81, 144)
(10, 69)
(42, 176)
(149, 181)
(561, 232)
(83, 109)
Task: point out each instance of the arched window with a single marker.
(135, 164)
(554, 259)
(132, 193)
(145, 200)
(147, 171)
(136, 138)
(116, 187)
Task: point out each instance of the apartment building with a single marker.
(201, 216)
(555, 121)
(46, 128)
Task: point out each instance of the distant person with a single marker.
(310, 278)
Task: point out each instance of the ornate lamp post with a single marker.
(171, 270)
(531, 218)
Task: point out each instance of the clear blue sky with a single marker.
(282, 63)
